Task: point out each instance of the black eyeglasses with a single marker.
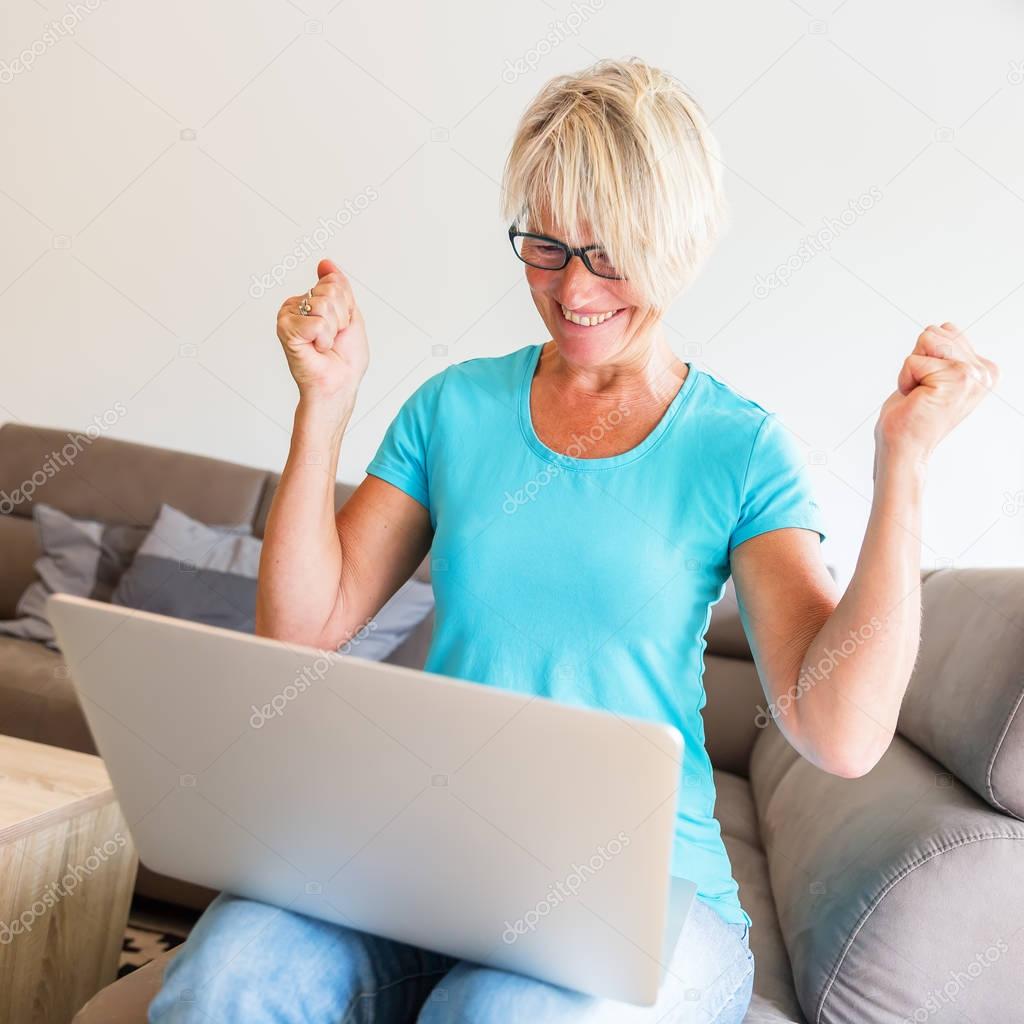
(548, 253)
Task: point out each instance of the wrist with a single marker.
(900, 475)
(321, 421)
(902, 459)
(326, 409)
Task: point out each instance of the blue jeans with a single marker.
(248, 961)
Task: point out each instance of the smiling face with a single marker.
(592, 319)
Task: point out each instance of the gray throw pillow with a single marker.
(188, 570)
(79, 557)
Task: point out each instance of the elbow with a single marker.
(851, 761)
(295, 633)
(842, 744)
(849, 768)
(847, 749)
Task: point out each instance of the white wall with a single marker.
(161, 155)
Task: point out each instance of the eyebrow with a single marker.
(561, 238)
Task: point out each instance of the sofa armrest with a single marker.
(898, 893)
(965, 703)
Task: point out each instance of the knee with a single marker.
(239, 954)
(471, 994)
(209, 970)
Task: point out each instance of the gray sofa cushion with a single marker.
(208, 574)
(895, 891)
(80, 557)
(189, 570)
(965, 703)
(37, 700)
(774, 1001)
(19, 549)
(732, 714)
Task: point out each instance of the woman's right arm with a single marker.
(324, 572)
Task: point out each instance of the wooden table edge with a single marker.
(72, 809)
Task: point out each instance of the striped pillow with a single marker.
(79, 557)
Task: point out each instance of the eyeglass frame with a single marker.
(569, 251)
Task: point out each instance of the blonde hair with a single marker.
(622, 146)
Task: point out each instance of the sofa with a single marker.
(115, 482)
(888, 898)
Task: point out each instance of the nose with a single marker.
(575, 282)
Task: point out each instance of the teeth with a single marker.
(587, 321)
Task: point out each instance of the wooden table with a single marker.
(67, 869)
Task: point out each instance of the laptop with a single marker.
(493, 826)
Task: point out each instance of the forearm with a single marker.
(856, 671)
(301, 561)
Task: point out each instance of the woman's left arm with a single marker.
(835, 669)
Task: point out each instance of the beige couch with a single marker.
(888, 898)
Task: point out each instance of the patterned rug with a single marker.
(142, 945)
(153, 928)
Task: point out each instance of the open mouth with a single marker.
(588, 320)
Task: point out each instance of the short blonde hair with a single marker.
(622, 146)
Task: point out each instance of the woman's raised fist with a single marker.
(326, 348)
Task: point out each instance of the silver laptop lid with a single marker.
(489, 825)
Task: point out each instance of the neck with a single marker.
(641, 373)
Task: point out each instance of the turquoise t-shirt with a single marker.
(591, 580)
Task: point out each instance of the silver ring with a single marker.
(306, 306)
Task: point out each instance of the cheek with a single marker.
(627, 296)
(538, 281)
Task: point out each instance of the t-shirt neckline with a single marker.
(533, 353)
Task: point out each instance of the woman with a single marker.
(584, 501)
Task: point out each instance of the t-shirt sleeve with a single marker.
(777, 489)
(401, 458)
